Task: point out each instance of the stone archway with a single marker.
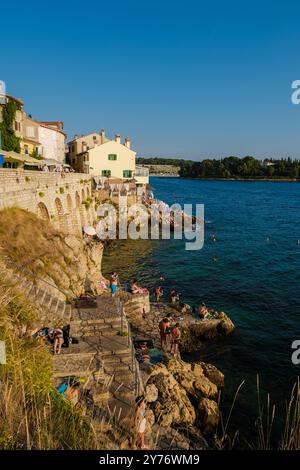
(42, 211)
(71, 215)
(61, 218)
(81, 208)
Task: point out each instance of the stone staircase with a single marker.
(47, 304)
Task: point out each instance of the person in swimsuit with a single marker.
(58, 337)
(162, 331)
(114, 284)
(159, 293)
(140, 422)
(203, 312)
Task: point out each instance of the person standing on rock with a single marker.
(176, 337)
(58, 337)
(140, 421)
(114, 284)
(159, 293)
(163, 324)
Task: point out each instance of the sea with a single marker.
(251, 272)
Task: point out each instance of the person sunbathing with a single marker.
(203, 312)
(135, 289)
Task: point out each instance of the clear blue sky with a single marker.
(189, 78)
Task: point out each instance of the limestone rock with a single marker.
(172, 406)
(197, 369)
(205, 388)
(208, 415)
(212, 373)
(74, 243)
(151, 393)
(150, 417)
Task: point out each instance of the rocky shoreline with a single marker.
(182, 398)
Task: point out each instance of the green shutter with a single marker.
(106, 173)
(112, 156)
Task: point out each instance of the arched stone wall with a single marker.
(42, 211)
(60, 217)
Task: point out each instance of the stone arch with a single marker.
(60, 216)
(42, 211)
(69, 204)
(77, 200)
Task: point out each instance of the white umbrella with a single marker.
(89, 230)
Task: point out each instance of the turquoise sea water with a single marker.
(251, 272)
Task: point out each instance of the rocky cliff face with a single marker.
(182, 398)
(61, 263)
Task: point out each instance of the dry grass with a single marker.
(31, 244)
(32, 414)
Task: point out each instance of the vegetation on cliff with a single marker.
(9, 140)
(32, 414)
(36, 249)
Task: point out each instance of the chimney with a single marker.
(127, 142)
(102, 136)
(118, 138)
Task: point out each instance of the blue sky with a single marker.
(192, 79)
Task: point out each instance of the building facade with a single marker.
(96, 155)
(44, 139)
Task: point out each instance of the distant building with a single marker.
(267, 162)
(98, 156)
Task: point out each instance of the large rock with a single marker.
(172, 405)
(212, 373)
(74, 243)
(208, 415)
(195, 332)
(151, 393)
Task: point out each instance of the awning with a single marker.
(19, 158)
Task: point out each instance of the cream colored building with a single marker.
(98, 156)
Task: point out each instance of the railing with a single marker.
(141, 171)
(138, 383)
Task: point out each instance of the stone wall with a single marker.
(51, 196)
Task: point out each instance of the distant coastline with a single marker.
(276, 180)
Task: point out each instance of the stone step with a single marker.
(120, 408)
(122, 390)
(123, 376)
(68, 312)
(115, 368)
(118, 359)
(111, 346)
(91, 331)
(73, 365)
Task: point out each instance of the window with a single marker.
(127, 174)
(106, 173)
(30, 131)
(112, 156)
